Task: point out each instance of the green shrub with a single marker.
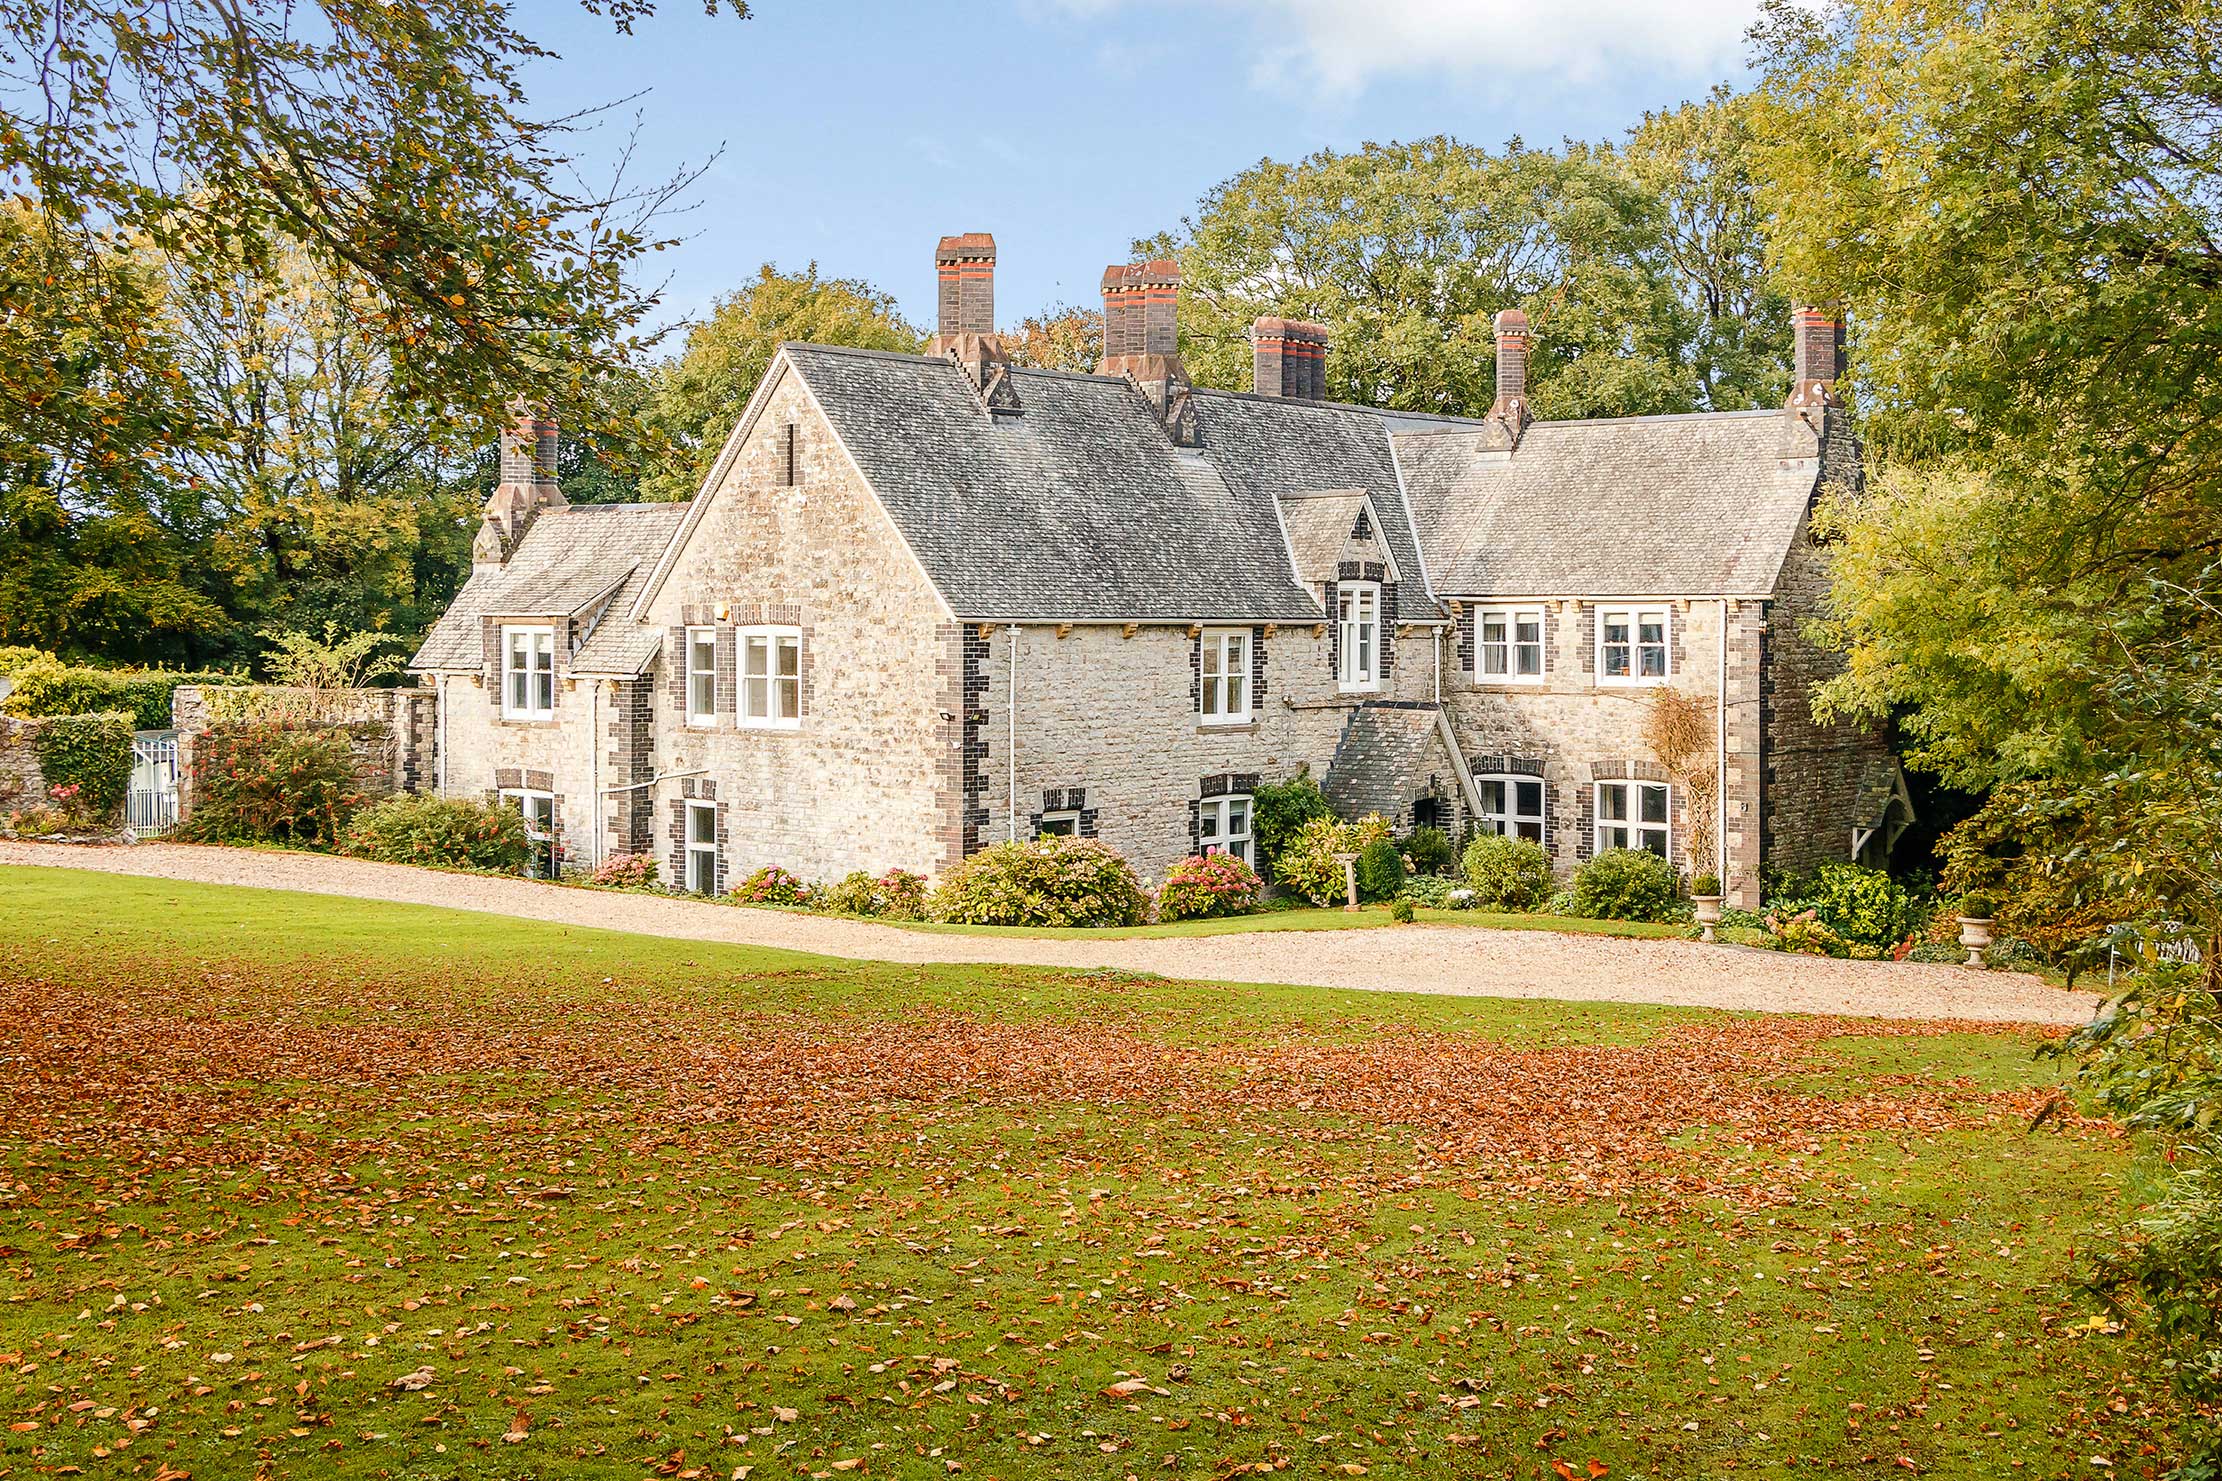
(1977, 907)
(440, 832)
(1053, 881)
(1706, 884)
(1507, 873)
(854, 893)
(1308, 864)
(1206, 887)
(1625, 884)
(626, 872)
(1435, 892)
(86, 760)
(1430, 851)
(272, 782)
(1865, 907)
(13, 658)
(1808, 933)
(1400, 911)
(1380, 870)
(772, 885)
(46, 686)
(1279, 811)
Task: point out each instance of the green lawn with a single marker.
(298, 1186)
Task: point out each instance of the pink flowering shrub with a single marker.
(626, 872)
(771, 885)
(1207, 886)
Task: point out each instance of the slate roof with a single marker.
(571, 559)
(1381, 752)
(1702, 505)
(1079, 508)
(1319, 527)
(1268, 446)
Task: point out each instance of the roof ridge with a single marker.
(1322, 404)
(1742, 414)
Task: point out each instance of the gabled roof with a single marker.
(1322, 533)
(1078, 509)
(576, 560)
(1701, 505)
(1269, 446)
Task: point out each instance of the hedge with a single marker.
(91, 753)
(44, 685)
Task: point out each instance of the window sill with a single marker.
(770, 727)
(1605, 683)
(1538, 682)
(536, 720)
(1226, 727)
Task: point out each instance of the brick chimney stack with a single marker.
(966, 265)
(1288, 357)
(529, 446)
(1141, 340)
(1508, 414)
(1816, 354)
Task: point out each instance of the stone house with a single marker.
(923, 603)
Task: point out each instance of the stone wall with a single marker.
(22, 784)
(1815, 772)
(394, 732)
(865, 780)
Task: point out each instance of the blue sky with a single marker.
(856, 132)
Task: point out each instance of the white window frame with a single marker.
(528, 672)
(1511, 820)
(1064, 823)
(1216, 832)
(1358, 615)
(1632, 617)
(1223, 683)
(702, 683)
(539, 813)
(1632, 825)
(699, 849)
(1510, 645)
(769, 700)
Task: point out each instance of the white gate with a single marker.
(152, 806)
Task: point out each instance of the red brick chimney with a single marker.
(1141, 340)
(966, 265)
(1288, 357)
(1508, 414)
(1816, 355)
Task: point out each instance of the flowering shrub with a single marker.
(1507, 873)
(38, 822)
(626, 872)
(1207, 886)
(1806, 932)
(442, 832)
(897, 895)
(272, 782)
(771, 885)
(1052, 881)
(1308, 865)
(1625, 884)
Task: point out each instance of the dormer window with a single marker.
(1358, 634)
(528, 673)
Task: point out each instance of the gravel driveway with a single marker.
(1433, 958)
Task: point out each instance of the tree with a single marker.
(695, 400)
(96, 537)
(387, 139)
(1061, 338)
(1407, 251)
(1695, 162)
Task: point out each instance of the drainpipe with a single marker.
(1010, 765)
(594, 769)
(1437, 645)
(439, 716)
(1720, 760)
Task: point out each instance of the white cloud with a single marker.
(1347, 45)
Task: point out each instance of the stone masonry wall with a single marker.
(1814, 771)
(864, 782)
(22, 783)
(1573, 732)
(394, 732)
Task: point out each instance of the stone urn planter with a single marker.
(1975, 935)
(1708, 909)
